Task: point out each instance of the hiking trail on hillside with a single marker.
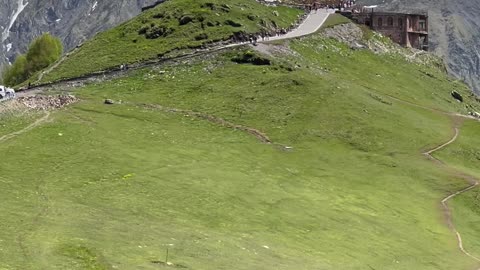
(26, 129)
(473, 184)
(311, 24)
(473, 181)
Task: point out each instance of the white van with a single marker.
(6, 93)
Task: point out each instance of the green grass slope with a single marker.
(465, 155)
(126, 182)
(11, 121)
(173, 26)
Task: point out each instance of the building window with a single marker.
(390, 21)
(423, 25)
(400, 22)
(380, 22)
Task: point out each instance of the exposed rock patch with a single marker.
(39, 102)
(348, 33)
(356, 38)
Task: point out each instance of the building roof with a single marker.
(400, 13)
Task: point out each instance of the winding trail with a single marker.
(473, 184)
(473, 181)
(261, 136)
(26, 129)
(310, 25)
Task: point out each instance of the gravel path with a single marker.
(310, 25)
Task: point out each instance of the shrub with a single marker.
(16, 73)
(43, 51)
(250, 57)
(201, 36)
(233, 23)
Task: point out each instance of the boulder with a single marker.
(457, 96)
(186, 19)
(109, 102)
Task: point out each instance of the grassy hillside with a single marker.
(465, 156)
(112, 187)
(11, 120)
(173, 26)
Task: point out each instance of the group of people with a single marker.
(344, 4)
(124, 67)
(337, 5)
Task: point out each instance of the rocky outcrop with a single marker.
(354, 36)
(454, 32)
(40, 102)
(74, 21)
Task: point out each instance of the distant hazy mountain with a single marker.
(71, 20)
(455, 32)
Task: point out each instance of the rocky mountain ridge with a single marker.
(72, 20)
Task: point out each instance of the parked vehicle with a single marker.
(6, 93)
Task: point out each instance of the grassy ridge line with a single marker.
(116, 71)
(181, 24)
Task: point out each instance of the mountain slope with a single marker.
(455, 35)
(343, 185)
(174, 27)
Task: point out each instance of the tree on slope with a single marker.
(42, 52)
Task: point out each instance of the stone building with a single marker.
(408, 30)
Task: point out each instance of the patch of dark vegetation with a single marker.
(250, 57)
(184, 20)
(201, 36)
(274, 24)
(252, 17)
(209, 5)
(380, 99)
(223, 7)
(159, 16)
(157, 32)
(233, 23)
(296, 82)
(143, 30)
